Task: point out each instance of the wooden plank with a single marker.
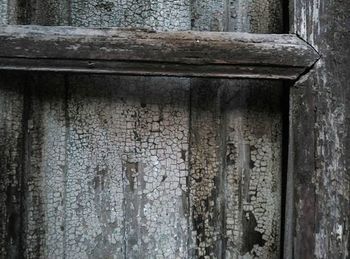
(45, 166)
(243, 118)
(253, 147)
(11, 166)
(91, 138)
(147, 130)
(3, 11)
(127, 167)
(319, 136)
(203, 54)
(205, 166)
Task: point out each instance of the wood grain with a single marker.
(319, 194)
(140, 52)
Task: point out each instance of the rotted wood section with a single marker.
(142, 52)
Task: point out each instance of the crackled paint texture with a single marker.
(240, 216)
(3, 12)
(11, 144)
(151, 14)
(106, 171)
(253, 169)
(125, 167)
(205, 169)
(236, 145)
(253, 133)
(264, 16)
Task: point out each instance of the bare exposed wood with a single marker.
(319, 136)
(197, 54)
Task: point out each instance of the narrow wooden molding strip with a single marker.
(140, 52)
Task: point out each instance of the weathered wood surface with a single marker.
(11, 166)
(235, 145)
(253, 168)
(236, 148)
(319, 192)
(132, 167)
(112, 175)
(203, 54)
(206, 169)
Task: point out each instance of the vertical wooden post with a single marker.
(319, 135)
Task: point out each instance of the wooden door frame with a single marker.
(318, 180)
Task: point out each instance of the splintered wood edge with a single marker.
(141, 52)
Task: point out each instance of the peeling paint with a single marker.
(253, 165)
(125, 167)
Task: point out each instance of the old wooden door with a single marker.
(139, 167)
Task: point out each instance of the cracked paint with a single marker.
(150, 14)
(253, 166)
(125, 167)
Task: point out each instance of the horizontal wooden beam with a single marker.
(140, 52)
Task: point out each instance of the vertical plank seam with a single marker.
(65, 170)
(188, 190)
(25, 163)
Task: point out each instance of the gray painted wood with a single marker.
(205, 185)
(203, 54)
(11, 166)
(153, 141)
(249, 124)
(254, 146)
(263, 16)
(103, 216)
(319, 136)
(253, 125)
(3, 12)
(161, 15)
(83, 159)
(44, 167)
